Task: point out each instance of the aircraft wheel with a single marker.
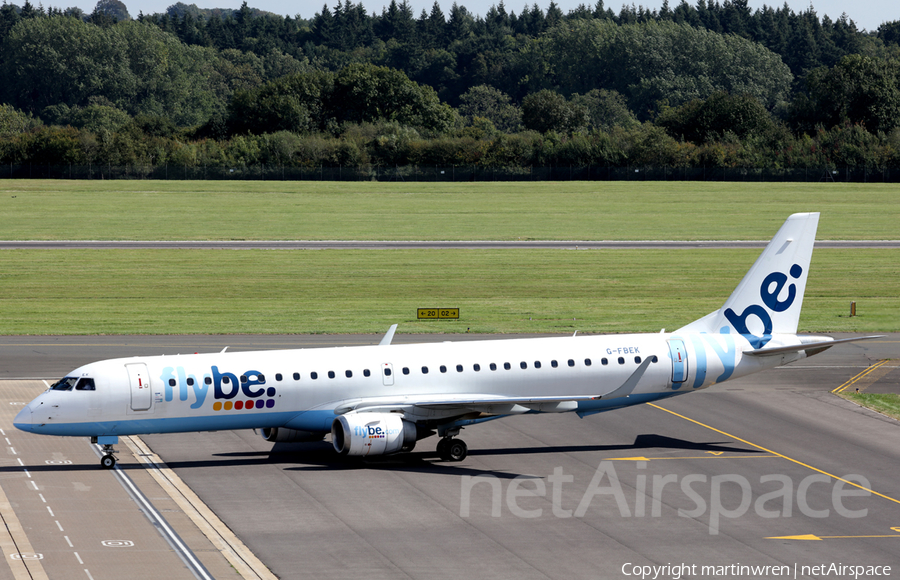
(457, 449)
(442, 449)
(108, 462)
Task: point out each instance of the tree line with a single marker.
(705, 85)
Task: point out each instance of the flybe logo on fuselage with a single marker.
(250, 390)
(769, 291)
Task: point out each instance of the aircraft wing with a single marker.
(479, 403)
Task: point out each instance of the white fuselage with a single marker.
(306, 389)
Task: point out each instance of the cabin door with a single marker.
(139, 379)
(679, 361)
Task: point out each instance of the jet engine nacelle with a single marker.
(365, 434)
(282, 435)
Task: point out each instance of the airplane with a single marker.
(382, 399)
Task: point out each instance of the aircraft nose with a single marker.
(23, 419)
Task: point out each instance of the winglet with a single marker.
(389, 336)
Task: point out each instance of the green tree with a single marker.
(606, 109)
(114, 9)
(368, 93)
(486, 102)
(858, 90)
(135, 66)
(14, 122)
(889, 32)
(549, 111)
(293, 103)
(710, 119)
(656, 62)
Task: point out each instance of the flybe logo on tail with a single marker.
(770, 292)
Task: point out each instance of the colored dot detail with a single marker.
(239, 405)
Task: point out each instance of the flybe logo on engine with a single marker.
(769, 291)
(373, 431)
(249, 391)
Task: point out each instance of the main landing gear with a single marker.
(108, 461)
(450, 449)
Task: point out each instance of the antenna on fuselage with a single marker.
(223, 350)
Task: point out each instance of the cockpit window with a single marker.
(64, 384)
(67, 383)
(85, 384)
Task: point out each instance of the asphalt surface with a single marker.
(389, 245)
(743, 474)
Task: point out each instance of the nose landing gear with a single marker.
(108, 461)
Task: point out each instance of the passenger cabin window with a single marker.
(424, 370)
(278, 376)
(443, 369)
(85, 384)
(654, 359)
(296, 376)
(405, 370)
(207, 380)
(523, 365)
(314, 375)
(571, 363)
(537, 364)
(507, 366)
(587, 362)
(637, 359)
(387, 371)
(476, 367)
(366, 373)
(172, 382)
(330, 374)
(459, 368)
(493, 366)
(348, 374)
(190, 381)
(621, 360)
(604, 361)
(554, 364)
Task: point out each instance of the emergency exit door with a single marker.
(139, 379)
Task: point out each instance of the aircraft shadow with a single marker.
(320, 456)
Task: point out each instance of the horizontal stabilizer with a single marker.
(817, 346)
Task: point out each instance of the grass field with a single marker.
(336, 291)
(885, 403)
(215, 291)
(234, 210)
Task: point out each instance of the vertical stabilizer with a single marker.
(769, 298)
